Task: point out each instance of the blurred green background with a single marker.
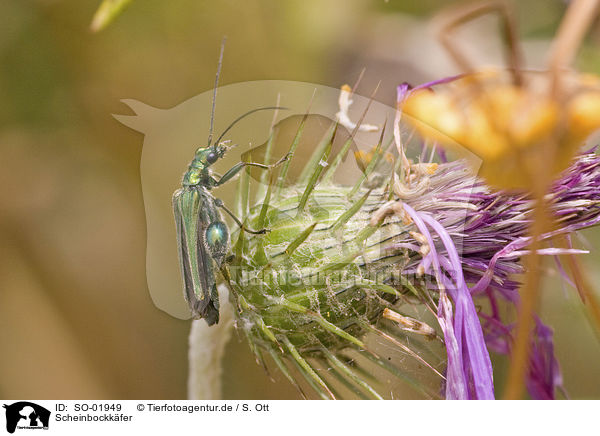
(76, 319)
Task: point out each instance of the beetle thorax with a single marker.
(198, 172)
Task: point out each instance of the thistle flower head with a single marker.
(342, 264)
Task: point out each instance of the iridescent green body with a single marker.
(198, 172)
(202, 235)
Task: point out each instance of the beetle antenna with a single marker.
(214, 99)
(244, 116)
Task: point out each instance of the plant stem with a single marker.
(530, 295)
(206, 350)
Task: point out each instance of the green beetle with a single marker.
(203, 237)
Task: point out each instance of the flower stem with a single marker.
(530, 294)
(579, 17)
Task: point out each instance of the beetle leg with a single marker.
(238, 167)
(220, 204)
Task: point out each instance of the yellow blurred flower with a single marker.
(517, 131)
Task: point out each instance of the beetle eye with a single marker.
(211, 158)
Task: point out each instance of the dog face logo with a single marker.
(26, 415)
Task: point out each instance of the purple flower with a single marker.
(477, 237)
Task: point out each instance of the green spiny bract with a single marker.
(318, 282)
(311, 269)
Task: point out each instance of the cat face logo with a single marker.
(26, 415)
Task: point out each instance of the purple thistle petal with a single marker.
(467, 321)
(442, 154)
(544, 373)
(440, 81)
(456, 383)
(468, 345)
(402, 91)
